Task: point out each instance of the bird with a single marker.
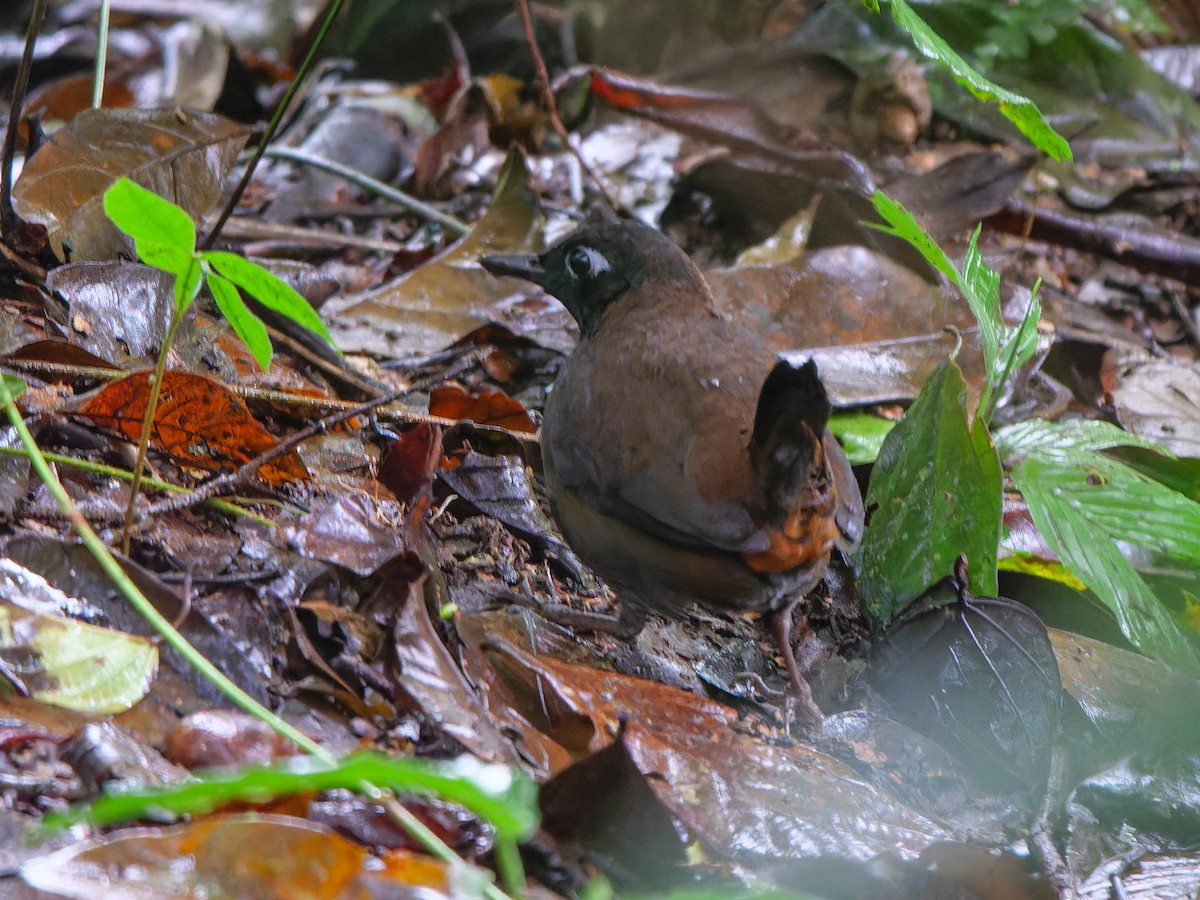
(685, 461)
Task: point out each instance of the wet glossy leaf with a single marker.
(120, 311)
(1083, 519)
(741, 798)
(937, 489)
(184, 155)
(979, 676)
(74, 665)
(1021, 111)
(355, 525)
(241, 856)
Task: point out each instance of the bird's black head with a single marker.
(597, 264)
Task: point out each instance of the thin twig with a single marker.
(366, 182)
(542, 80)
(106, 471)
(277, 117)
(20, 85)
(101, 53)
(232, 481)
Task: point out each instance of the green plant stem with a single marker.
(239, 698)
(108, 563)
(367, 183)
(139, 466)
(86, 465)
(101, 54)
(330, 14)
(508, 863)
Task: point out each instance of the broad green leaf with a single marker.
(1123, 503)
(937, 492)
(267, 289)
(13, 386)
(1082, 514)
(1178, 473)
(861, 434)
(1021, 111)
(164, 235)
(505, 797)
(74, 665)
(245, 324)
(1077, 439)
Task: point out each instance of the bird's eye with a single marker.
(584, 263)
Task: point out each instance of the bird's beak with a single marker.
(517, 265)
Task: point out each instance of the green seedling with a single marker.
(165, 237)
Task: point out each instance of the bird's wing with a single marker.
(659, 442)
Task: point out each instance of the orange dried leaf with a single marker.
(199, 422)
(489, 407)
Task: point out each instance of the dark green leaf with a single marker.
(937, 489)
(244, 323)
(1021, 111)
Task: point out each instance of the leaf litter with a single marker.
(401, 611)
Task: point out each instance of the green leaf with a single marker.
(1083, 511)
(187, 285)
(1021, 111)
(937, 488)
(1005, 349)
(245, 324)
(978, 284)
(1088, 506)
(1075, 439)
(13, 385)
(75, 665)
(164, 235)
(267, 289)
(504, 797)
(861, 434)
